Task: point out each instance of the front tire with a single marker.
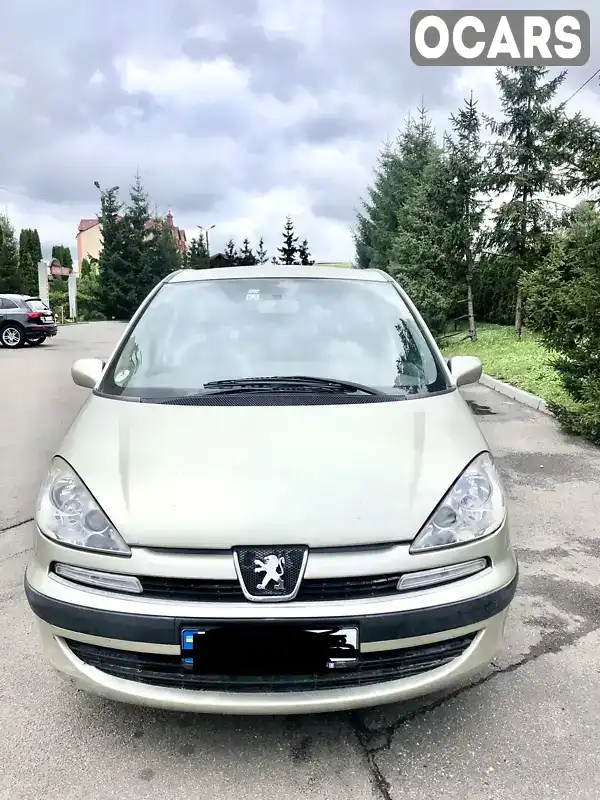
(36, 342)
(12, 336)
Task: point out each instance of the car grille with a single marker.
(168, 671)
(230, 592)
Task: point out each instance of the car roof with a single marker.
(10, 296)
(278, 271)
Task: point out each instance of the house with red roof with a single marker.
(89, 238)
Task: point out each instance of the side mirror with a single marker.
(465, 369)
(87, 372)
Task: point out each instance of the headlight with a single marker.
(474, 507)
(67, 512)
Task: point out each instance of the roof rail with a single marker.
(168, 277)
(385, 274)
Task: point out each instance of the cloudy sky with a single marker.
(236, 112)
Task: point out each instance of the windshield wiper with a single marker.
(287, 383)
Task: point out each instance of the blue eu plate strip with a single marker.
(187, 644)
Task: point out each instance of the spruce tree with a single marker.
(465, 210)
(526, 162)
(419, 257)
(417, 149)
(138, 208)
(192, 256)
(580, 138)
(11, 279)
(246, 257)
(398, 175)
(197, 257)
(407, 221)
(289, 249)
(116, 284)
(139, 229)
(377, 224)
(304, 256)
(138, 251)
(160, 257)
(362, 235)
(149, 245)
(261, 253)
(230, 254)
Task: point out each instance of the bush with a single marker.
(88, 303)
(581, 419)
(58, 296)
(92, 316)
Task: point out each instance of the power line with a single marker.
(28, 196)
(25, 194)
(12, 191)
(583, 85)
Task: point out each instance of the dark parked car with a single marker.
(24, 319)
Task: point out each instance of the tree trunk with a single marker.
(519, 306)
(471, 311)
(519, 314)
(527, 194)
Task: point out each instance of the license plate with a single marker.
(47, 319)
(257, 649)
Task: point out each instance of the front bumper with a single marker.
(475, 607)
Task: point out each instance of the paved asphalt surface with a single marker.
(529, 727)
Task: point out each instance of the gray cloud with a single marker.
(319, 85)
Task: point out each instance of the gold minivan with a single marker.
(274, 500)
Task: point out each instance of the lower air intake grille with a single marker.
(168, 671)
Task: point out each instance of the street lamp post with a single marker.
(206, 230)
(97, 185)
(104, 192)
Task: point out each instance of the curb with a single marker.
(519, 395)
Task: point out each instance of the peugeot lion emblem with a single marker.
(273, 567)
(270, 574)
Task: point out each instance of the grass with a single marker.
(526, 364)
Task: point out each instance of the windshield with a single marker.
(196, 332)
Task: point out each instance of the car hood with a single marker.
(220, 476)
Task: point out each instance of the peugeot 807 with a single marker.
(274, 500)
